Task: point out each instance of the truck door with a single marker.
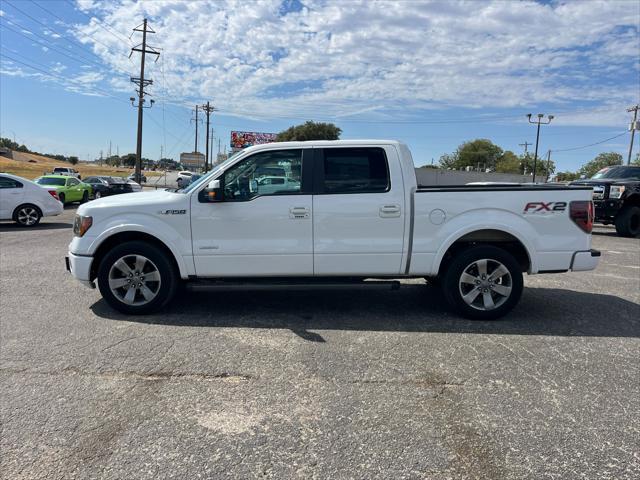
(258, 229)
(358, 211)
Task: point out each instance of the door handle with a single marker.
(389, 211)
(298, 212)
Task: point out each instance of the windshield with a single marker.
(50, 181)
(618, 172)
(205, 178)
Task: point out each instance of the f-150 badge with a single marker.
(173, 212)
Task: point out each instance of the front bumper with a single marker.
(606, 210)
(80, 267)
(585, 260)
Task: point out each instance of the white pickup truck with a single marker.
(350, 212)
(67, 171)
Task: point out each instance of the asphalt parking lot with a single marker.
(328, 384)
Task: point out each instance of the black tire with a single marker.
(464, 262)
(61, 198)
(168, 277)
(27, 215)
(85, 197)
(97, 195)
(628, 222)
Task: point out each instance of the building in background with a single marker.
(240, 140)
(193, 161)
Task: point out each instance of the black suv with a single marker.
(616, 195)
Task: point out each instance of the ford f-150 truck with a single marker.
(616, 195)
(349, 212)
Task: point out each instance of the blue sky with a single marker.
(433, 74)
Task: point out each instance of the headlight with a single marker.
(81, 224)
(616, 191)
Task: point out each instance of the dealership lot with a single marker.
(326, 384)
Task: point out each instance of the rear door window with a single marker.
(6, 182)
(355, 170)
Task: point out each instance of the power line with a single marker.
(51, 47)
(48, 27)
(62, 20)
(591, 144)
(104, 25)
(55, 75)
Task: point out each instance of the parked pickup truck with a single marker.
(67, 172)
(351, 214)
(616, 195)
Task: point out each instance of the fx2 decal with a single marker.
(544, 207)
(173, 212)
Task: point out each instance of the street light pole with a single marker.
(538, 122)
(633, 130)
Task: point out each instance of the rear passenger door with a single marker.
(358, 211)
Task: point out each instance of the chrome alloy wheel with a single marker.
(134, 280)
(485, 284)
(27, 216)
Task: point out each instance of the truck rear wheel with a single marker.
(628, 222)
(137, 278)
(483, 282)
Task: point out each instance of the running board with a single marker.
(206, 286)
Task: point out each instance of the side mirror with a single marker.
(213, 192)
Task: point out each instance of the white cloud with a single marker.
(331, 59)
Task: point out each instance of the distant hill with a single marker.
(31, 166)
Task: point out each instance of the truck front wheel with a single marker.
(628, 222)
(137, 278)
(483, 282)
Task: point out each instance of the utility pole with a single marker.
(100, 157)
(195, 150)
(524, 166)
(633, 129)
(548, 165)
(525, 145)
(211, 148)
(143, 48)
(208, 109)
(539, 122)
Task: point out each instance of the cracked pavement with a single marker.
(328, 384)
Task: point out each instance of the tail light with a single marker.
(54, 194)
(581, 212)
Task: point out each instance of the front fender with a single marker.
(179, 244)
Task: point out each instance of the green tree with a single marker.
(541, 166)
(310, 131)
(509, 162)
(567, 176)
(480, 153)
(605, 159)
(636, 161)
(449, 160)
(73, 160)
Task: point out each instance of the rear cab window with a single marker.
(354, 170)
